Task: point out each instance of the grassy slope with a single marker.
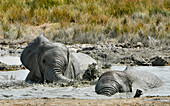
(89, 19)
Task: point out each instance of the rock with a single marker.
(138, 60)
(88, 48)
(158, 61)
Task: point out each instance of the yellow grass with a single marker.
(123, 17)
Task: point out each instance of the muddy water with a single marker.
(10, 60)
(13, 86)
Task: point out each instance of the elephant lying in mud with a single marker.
(52, 62)
(112, 82)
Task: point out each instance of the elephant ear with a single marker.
(29, 57)
(73, 66)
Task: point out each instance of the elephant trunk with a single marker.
(58, 76)
(59, 71)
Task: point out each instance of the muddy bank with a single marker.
(126, 53)
(9, 47)
(6, 67)
(10, 63)
(121, 54)
(105, 53)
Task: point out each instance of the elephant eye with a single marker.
(44, 61)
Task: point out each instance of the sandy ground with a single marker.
(144, 101)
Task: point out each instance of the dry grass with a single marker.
(84, 21)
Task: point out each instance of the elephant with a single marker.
(112, 82)
(52, 62)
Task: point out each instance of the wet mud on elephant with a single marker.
(112, 82)
(52, 62)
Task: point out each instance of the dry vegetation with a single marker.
(85, 21)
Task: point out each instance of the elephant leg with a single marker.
(33, 78)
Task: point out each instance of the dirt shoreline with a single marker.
(105, 53)
(146, 101)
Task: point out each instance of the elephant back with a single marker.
(145, 78)
(83, 60)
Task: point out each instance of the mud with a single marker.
(12, 86)
(110, 53)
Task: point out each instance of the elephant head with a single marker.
(112, 82)
(48, 61)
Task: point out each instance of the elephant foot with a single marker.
(138, 93)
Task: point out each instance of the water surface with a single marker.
(16, 78)
(10, 60)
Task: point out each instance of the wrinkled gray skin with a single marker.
(52, 62)
(112, 82)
